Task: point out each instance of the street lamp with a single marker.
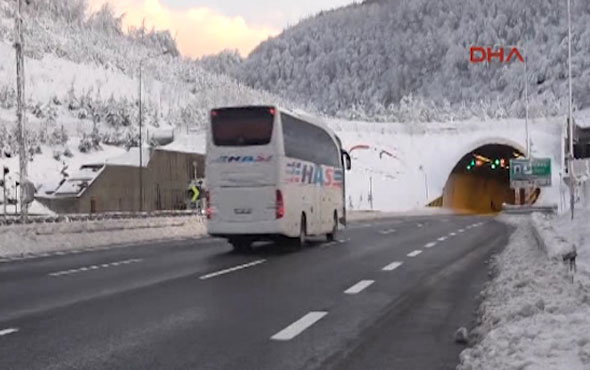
(20, 111)
(570, 121)
(526, 101)
(141, 124)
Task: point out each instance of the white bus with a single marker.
(271, 174)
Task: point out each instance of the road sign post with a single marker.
(530, 172)
(4, 200)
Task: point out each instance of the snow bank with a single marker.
(369, 215)
(561, 235)
(532, 316)
(21, 240)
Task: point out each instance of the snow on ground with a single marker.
(46, 171)
(372, 215)
(563, 233)
(20, 240)
(532, 316)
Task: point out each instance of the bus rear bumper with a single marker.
(261, 229)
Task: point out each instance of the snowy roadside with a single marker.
(561, 234)
(21, 240)
(372, 215)
(531, 316)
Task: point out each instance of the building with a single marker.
(113, 186)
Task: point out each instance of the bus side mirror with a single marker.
(347, 160)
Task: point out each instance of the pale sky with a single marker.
(203, 27)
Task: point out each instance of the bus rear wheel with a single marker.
(241, 245)
(331, 236)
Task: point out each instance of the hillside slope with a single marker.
(82, 88)
(367, 57)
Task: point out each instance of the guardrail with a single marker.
(525, 209)
(7, 220)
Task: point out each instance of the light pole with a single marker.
(526, 118)
(20, 110)
(140, 170)
(421, 168)
(526, 98)
(570, 120)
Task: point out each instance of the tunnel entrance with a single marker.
(480, 182)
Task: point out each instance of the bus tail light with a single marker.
(280, 205)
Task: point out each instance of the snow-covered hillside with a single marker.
(365, 58)
(82, 88)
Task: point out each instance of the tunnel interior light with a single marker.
(482, 158)
(493, 166)
(478, 163)
(497, 162)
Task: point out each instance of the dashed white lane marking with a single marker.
(461, 231)
(442, 238)
(420, 225)
(452, 234)
(414, 253)
(430, 245)
(94, 267)
(359, 287)
(232, 269)
(299, 326)
(392, 266)
(385, 232)
(8, 331)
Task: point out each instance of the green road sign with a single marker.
(533, 172)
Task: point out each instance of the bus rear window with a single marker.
(242, 126)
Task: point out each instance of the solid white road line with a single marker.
(299, 326)
(359, 287)
(392, 266)
(232, 269)
(414, 253)
(442, 238)
(8, 331)
(430, 245)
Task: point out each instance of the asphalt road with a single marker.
(389, 294)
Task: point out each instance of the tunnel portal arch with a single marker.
(479, 180)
